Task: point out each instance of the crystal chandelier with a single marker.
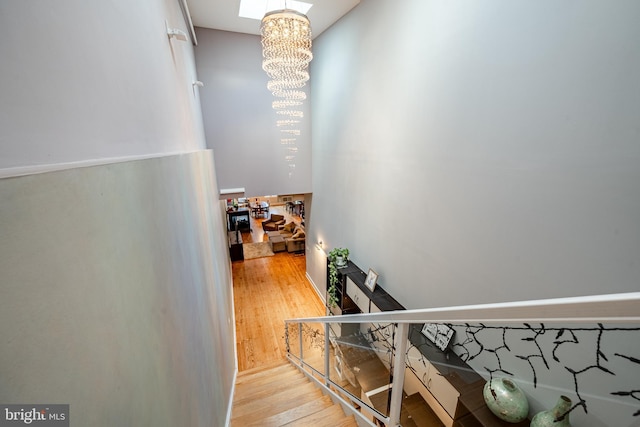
(286, 53)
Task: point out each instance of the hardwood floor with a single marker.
(266, 292)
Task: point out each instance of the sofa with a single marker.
(294, 236)
(273, 223)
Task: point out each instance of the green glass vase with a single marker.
(505, 399)
(556, 417)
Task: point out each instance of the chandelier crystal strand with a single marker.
(286, 52)
(287, 122)
(284, 103)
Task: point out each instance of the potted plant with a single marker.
(338, 257)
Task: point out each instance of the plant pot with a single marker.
(340, 261)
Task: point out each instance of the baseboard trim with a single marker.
(315, 288)
(233, 391)
(235, 350)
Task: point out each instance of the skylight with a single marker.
(256, 9)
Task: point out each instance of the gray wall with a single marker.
(116, 293)
(239, 121)
(91, 80)
(477, 153)
(115, 286)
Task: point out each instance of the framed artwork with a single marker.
(439, 334)
(370, 281)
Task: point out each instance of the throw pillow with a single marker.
(290, 227)
(298, 235)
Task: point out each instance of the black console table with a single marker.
(452, 391)
(376, 300)
(370, 374)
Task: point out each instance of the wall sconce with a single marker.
(319, 245)
(198, 83)
(175, 33)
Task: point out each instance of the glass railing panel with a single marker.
(361, 360)
(595, 366)
(433, 378)
(415, 411)
(292, 338)
(313, 348)
(588, 367)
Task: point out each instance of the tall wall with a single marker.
(239, 121)
(115, 286)
(91, 80)
(476, 152)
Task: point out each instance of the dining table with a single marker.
(260, 208)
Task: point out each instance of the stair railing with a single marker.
(386, 346)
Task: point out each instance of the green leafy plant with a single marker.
(338, 252)
(333, 274)
(333, 281)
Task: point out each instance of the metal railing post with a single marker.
(327, 347)
(400, 347)
(300, 339)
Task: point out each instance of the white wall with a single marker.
(90, 80)
(116, 293)
(481, 152)
(115, 286)
(239, 121)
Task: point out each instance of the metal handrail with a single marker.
(622, 307)
(613, 308)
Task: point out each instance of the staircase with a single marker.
(280, 395)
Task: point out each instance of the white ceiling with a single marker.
(223, 15)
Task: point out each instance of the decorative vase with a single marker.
(552, 417)
(505, 399)
(340, 261)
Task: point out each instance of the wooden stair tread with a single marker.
(256, 378)
(298, 412)
(281, 395)
(349, 421)
(277, 402)
(272, 382)
(249, 374)
(328, 417)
